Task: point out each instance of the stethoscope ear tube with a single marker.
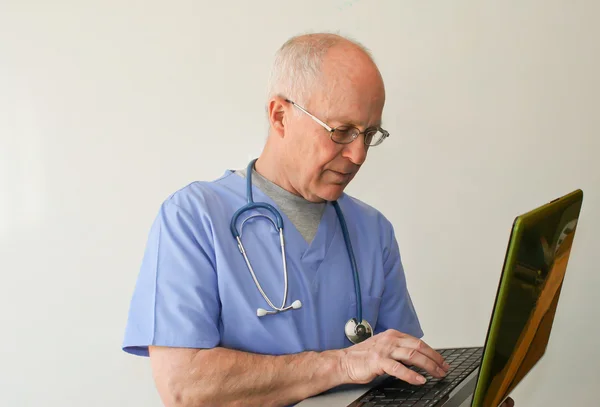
(255, 205)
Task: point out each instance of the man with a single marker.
(194, 309)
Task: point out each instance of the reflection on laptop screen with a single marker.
(530, 298)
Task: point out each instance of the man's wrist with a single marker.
(337, 369)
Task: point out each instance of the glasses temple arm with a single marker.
(313, 117)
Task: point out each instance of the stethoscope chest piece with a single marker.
(356, 333)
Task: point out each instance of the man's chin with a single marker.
(331, 192)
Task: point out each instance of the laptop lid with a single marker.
(527, 297)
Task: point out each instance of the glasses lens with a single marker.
(374, 137)
(345, 135)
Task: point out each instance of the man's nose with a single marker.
(356, 151)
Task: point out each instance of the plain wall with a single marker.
(107, 107)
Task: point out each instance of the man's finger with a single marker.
(508, 403)
(413, 357)
(420, 346)
(400, 371)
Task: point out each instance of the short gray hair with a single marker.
(296, 68)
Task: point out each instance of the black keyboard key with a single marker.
(365, 399)
(428, 396)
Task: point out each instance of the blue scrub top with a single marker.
(194, 289)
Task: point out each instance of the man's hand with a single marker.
(383, 353)
(389, 352)
(508, 403)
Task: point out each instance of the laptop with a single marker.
(518, 332)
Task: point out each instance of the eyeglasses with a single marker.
(346, 134)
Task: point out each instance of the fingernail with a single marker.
(441, 372)
(446, 365)
(421, 379)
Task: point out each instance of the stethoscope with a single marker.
(355, 332)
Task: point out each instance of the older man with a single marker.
(210, 319)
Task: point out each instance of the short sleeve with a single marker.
(175, 300)
(396, 310)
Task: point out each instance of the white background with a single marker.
(107, 107)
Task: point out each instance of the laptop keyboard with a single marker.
(394, 392)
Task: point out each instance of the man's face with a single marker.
(352, 94)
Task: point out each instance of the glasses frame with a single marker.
(331, 130)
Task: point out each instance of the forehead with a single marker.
(351, 90)
(358, 111)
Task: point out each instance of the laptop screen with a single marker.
(527, 300)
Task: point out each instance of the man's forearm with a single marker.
(222, 376)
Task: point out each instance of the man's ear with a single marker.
(276, 113)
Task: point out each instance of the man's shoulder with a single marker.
(202, 195)
(367, 212)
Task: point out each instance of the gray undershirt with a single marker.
(305, 215)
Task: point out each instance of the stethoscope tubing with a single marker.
(278, 224)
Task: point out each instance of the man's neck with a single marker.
(271, 169)
(303, 214)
